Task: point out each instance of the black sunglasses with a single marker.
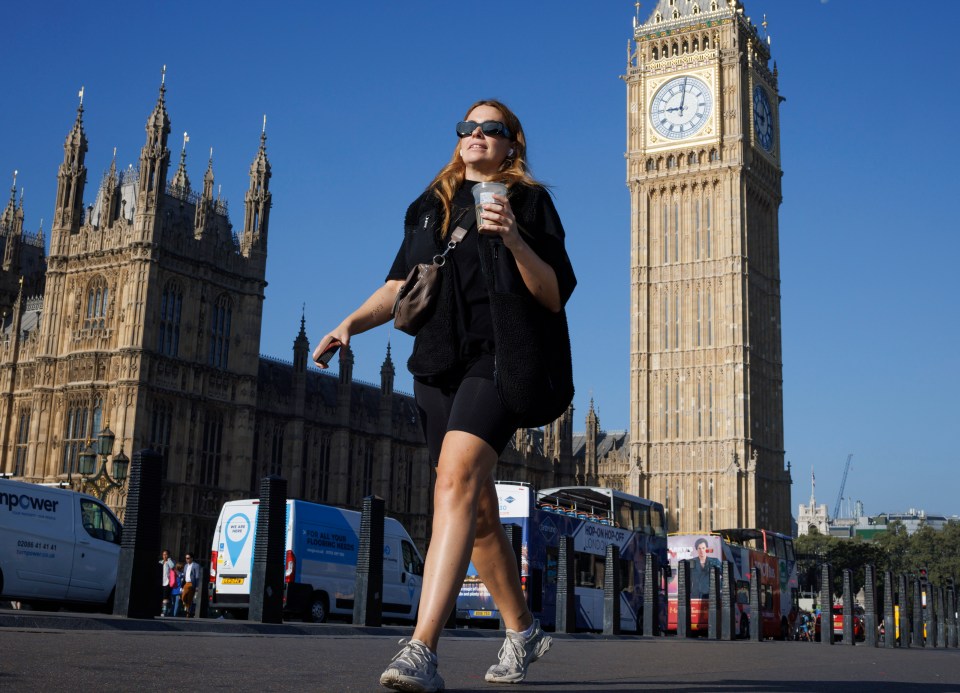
(465, 128)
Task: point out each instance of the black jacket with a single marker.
(435, 349)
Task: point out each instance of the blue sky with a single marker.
(361, 99)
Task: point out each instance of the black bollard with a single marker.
(368, 586)
(266, 579)
(941, 628)
(138, 593)
(515, 539)
(951, 605)
(728, 609)
(848, 636)
(683, 599)
(566, 597)
(889, 628)
(917, 599)
(713, 624)
(651, 596)
(611, 591)
(870, 605)
(756, 606)
(906, 639)
(826, 604)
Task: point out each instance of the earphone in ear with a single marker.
(510, 153)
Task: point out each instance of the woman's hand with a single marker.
(498, 220)
(338, 335)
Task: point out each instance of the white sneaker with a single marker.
(517, 654)
(413, 669)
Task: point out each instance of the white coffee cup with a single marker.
(483, 194)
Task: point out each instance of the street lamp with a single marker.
(103, 481)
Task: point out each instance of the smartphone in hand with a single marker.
(328, 354)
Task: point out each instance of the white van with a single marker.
(56, 546)
(320, 565)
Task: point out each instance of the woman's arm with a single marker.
(538, 276)
(373, 312)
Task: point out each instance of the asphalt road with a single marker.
(88, 653)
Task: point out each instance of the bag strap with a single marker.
(464, 224)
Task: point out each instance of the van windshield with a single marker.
(98, 522)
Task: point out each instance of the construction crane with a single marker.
(843, 483)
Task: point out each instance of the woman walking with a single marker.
(465, 424)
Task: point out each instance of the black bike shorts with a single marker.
(470, 405)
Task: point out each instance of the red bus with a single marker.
(744, 549)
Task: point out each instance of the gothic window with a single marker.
(671, 161)
(666, 230)
(709, 318)
(211, 450)
(714, 155)
(366, 484)
(82, 423)
(707, 213)
(700, 503)
(696, 230)
(658, 18)
(676, 410)
(665, 410)
(97, 302)
(676, 231)
(692, 159)
(655, 53)
(161, 421)
(711, 504)
(696, 10)
(699, 410)
(23, 437)
(650, 165)
(665, 315)
(220, 318)
(676, 321)
(666, 503)
(276, 451)
(713, 5)
(699, 314)
(710, 408)
(686, 47)
(323, 487)
(171, 305)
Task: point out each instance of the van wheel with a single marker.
(319, 608)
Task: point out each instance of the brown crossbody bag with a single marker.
(418, 295)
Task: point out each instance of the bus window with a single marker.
(781, 548)
(625, 515)
(656, 518)
(590, 570)
(789, 545)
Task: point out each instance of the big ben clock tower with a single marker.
(703, 170)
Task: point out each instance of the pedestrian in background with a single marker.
(166, 565)
(191, 583)
(465, 422)
(176, 588)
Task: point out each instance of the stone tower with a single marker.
(703, 171)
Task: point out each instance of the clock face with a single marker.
(681, 107)
(762, 118)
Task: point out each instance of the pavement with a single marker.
(87, 652)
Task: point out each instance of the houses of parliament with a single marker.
(145, 316)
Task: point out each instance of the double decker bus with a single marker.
(744, 549)
(595, 517)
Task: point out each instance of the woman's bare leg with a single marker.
(494, 560)
(466, 464)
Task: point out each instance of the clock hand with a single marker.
(683, 93)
